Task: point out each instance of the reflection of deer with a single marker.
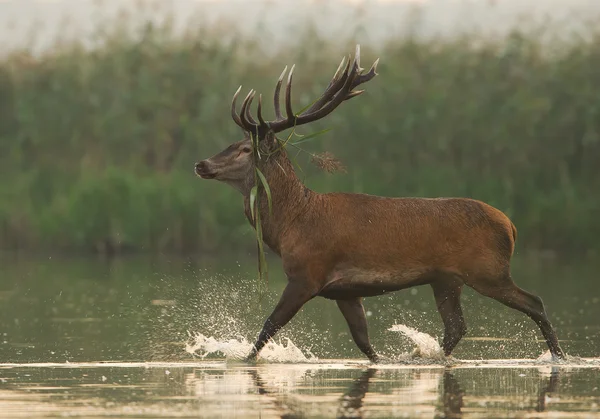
(345, 246)
(452, 397)
(286, 407)
(551, 387)
(352, 402)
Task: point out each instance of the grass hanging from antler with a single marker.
(259, 180)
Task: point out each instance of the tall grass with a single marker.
(97, 146)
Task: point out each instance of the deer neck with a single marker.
(289, 198)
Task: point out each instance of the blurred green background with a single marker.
(97, 146)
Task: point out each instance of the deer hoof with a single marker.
(251, 358)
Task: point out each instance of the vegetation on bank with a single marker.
(97, 147)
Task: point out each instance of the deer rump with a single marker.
(377, 245)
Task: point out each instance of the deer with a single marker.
(348, 246)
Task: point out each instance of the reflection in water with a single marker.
(550, 387)
(452, 397)
(337, 389)
(286, 407)
(352, 402)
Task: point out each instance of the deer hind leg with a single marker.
(509, 294)
(354, 313)
(447, 298)
(292, 299)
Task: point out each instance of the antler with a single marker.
(340, 88)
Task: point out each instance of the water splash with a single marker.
(426, 346)
(545, 357)
(274, 351)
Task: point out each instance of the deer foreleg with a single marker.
(293, 298)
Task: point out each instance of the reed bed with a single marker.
(97, 145)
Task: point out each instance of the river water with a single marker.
(162, 337)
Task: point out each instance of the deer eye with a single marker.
(246, 149)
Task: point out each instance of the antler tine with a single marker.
(234, 113)
(356, 63)
(249, 108)
(354, 94)
(337, 72)
(248, 122)
(259, 111)
(288, 95)
(278, 115)
(362, 78)
(374, 66)
(357, 57)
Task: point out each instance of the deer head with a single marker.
(236, 163)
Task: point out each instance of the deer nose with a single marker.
(201, 166)
(204, 170)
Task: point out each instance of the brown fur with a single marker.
(405, 241)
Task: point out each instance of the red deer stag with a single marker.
(345, 246)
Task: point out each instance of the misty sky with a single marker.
(38, 22)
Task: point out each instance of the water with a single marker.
(163, 337)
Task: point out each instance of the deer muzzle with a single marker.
(204, 170)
